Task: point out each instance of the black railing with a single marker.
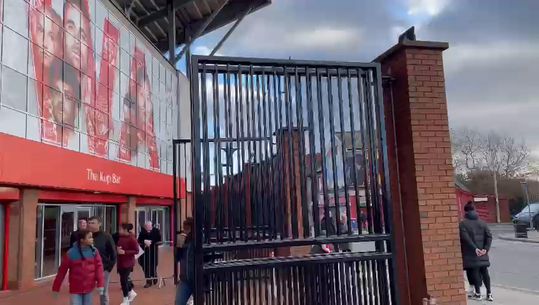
(289, 157)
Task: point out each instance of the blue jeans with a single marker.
(81, 299)
(183, 293)
(104, 298)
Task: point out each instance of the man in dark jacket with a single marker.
(475, 240)
(149, 239)
(107, 249)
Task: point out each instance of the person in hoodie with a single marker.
(475, 240)
(127, 249)
(85, 268)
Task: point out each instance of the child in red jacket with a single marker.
(127, 249)
(85, 270)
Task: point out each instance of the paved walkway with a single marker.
(510, 296)
(42, 294)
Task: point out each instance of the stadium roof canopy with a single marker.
(188, 19)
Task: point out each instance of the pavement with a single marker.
(514, 273)
(514, 263)
(42, 294)
(510, 296)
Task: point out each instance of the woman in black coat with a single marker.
(475, 240)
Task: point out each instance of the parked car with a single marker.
(527, 213)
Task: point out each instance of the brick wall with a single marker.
(422, 172)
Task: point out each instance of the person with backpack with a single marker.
(127, 249)
(85, 268)
(475, 240)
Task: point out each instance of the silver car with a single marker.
(527, 213)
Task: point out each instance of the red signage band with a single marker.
(24, 162)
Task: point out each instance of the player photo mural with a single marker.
(138, 127)
(73, 98)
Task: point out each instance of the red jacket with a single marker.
(130, 245)
(85, 270)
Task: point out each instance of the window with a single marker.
(15, 51)
(12, 122)
(13, 10)
(14, 93)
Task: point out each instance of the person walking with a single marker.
(127, 249)
(107, 249)
(186, 256)
(85, 268)
(149, 239)
(82, 225)
(475, 240)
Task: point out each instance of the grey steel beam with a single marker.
(162, 13)
(200, 28)
(232, 12)
(230, 31)
(171, 32)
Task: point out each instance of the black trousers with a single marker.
(478, 276)
(126, 284)
(150, 266)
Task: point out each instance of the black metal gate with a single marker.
(290, 181)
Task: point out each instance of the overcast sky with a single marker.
(492, 65)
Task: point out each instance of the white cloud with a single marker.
(204, 50)
(294, 40)
(426, 7)
(462, 56)
(323, 38)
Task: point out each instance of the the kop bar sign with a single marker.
(102, 177)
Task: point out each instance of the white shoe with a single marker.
(125, 301)
(132, 295)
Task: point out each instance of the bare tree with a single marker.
(466, 146)
(476, 151)
(500, 155)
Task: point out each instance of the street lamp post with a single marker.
(525, 186)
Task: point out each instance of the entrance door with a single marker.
(67, 226)
(158, 218)
(47, 241)
(140, 219)
(82, 213)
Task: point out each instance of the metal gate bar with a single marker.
(288, 154)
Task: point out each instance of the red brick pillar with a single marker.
(426, 220)
(127, 211)
(22, 246)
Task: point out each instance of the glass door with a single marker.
(160, 220)
(157, 218)
(82, 213)
(140, 219)
(47, 254)
(68, 225)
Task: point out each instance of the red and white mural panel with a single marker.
(76, 75)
